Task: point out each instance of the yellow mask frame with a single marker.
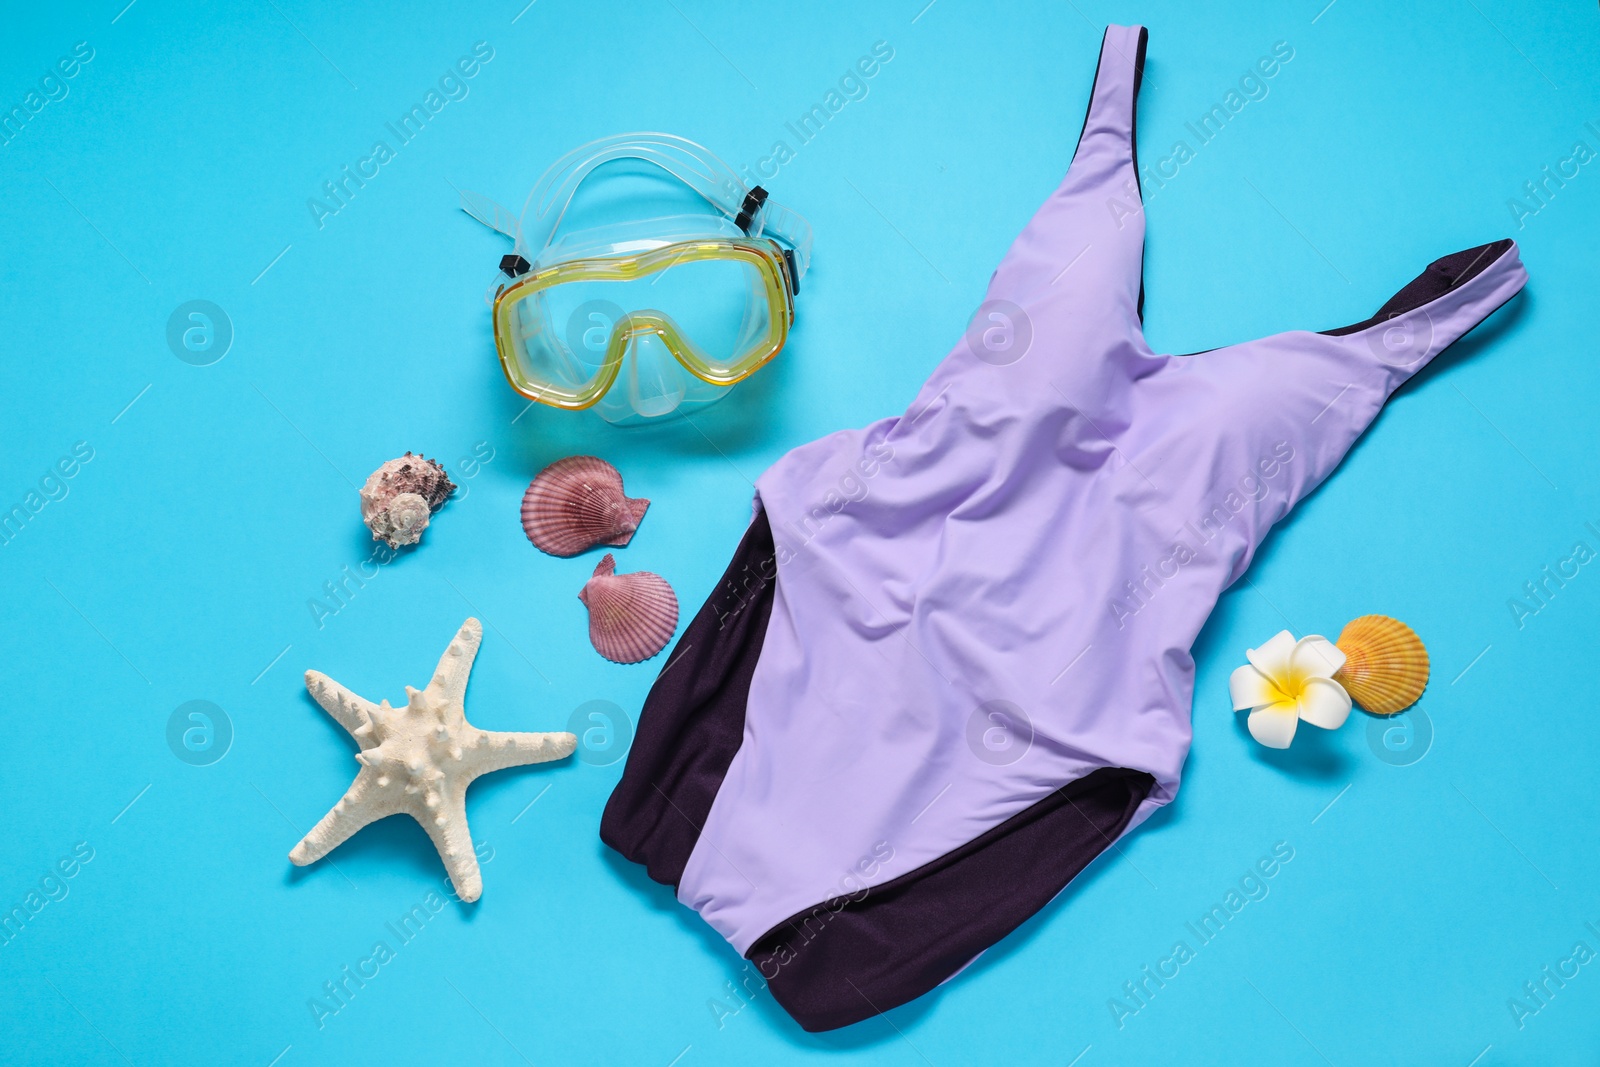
(770, 265)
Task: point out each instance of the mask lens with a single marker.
(719, 306)
(556, 342)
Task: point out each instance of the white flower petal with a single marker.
(1272, 658)
(1317, 657)
(1249, 688)
(1273, 725)
(1324, 703)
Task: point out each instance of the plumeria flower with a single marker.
(1286, 681)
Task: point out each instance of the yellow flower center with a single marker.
(1291, 685)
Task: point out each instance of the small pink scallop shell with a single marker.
(577, 503)
(631, 616)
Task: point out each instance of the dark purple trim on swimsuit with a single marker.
(851, 958)
(692, 722)
(1440, 277)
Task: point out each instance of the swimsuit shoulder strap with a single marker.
(1086, 242)
(1106, 147)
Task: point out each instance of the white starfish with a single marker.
(419, 760)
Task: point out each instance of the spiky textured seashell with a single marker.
(1386, 666)
(577, 503)
(631, 616)
(401, 521)
(400, 496)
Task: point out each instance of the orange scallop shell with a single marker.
(1386, 666)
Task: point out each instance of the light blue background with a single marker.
(180, 563)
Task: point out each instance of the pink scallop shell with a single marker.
(631, 616)
(577, 503)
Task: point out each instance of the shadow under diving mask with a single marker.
(650, 318)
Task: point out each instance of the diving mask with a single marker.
(649, 318)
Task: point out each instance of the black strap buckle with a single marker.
(748, 210)
(513, 265)
(794, 275)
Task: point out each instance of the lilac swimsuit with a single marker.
(949, 664)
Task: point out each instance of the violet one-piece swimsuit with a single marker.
(949, 664)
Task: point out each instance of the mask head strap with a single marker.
(696, 166)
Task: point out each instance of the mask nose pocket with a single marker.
(655, 382)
